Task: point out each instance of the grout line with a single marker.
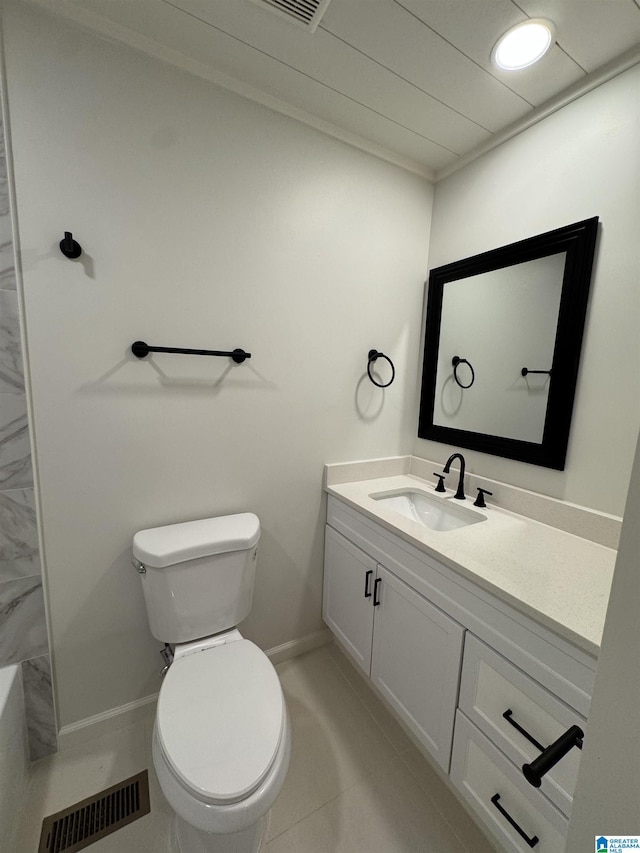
(437, 806)
(369, 775)
(368, 711)
(401, 755)
(435, 803)
(311, 813)
(363, 781)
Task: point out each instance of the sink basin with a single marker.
(430, 511)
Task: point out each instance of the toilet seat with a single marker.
(220, 720)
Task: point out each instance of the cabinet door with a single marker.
(417, 653)
(349, 576)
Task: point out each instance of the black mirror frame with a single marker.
(578, 241)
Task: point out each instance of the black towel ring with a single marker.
(373, 355)
(456, 361)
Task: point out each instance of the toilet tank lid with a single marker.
(175, 543)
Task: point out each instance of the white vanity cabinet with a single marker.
(411, 650)
(482, 686)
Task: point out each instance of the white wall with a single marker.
(207, 221)
(607, 796)
(580, 162)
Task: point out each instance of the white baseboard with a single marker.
(85, 730)
(298, 647)
(82, 731)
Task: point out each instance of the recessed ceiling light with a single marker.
(524, 44)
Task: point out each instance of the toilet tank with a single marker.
(198, 576)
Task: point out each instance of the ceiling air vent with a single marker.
(307, 13)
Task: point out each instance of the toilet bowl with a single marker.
(221, 740)
(221, 744)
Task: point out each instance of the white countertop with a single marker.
(560, 580)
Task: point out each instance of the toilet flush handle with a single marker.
(167, 657)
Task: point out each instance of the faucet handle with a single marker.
(479, 501)
(440, 487)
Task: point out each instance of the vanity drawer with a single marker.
(483, 775)
(489, 687)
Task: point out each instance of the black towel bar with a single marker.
(525, 371)
(140, 350)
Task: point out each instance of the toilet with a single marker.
(221, 739)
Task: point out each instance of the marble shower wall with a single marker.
(23, 633)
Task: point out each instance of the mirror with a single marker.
(503, 333)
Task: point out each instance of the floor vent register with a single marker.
(80, 825)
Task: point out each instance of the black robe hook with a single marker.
(69, 247)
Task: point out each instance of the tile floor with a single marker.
(356, 783)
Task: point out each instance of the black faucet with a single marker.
(459, 495)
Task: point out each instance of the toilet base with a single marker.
(188, 839)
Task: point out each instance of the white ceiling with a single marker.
(408, 79)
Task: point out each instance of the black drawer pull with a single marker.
(367, 584)
(530, 841)
(534, 772)
(507, 715)
(376, 587)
